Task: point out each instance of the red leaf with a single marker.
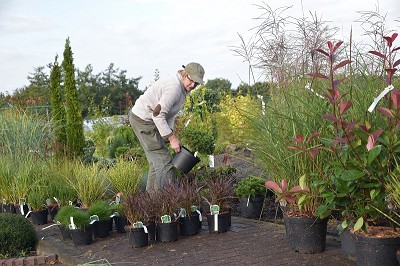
(342, 64)
(364, 128)
(297, 189)
(372, 138)
(397, 62)
(298, 138)
(337, 45)
(284, 185)
(313, 152)
(297, 148)
(330, 117)
(330, 45)
(334, 93)
(396, 98)
(322, 52)
(395, 49)
(378, 54)
(313, 136)
(273, 185)
(385, 111)
(344, 106)
(318, 75)
(289, 198)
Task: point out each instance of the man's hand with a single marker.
(175, 143)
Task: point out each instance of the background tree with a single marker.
(57, 109)
(75, 136)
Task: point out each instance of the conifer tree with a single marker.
(57, 109)
(75, 136)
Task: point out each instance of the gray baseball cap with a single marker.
(195, 71)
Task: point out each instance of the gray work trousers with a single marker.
(161, 170)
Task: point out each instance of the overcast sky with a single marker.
(141, 36)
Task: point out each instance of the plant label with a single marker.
(138, 224)
(94, 218)
(166, 219)
(214, 209)
(182, 212)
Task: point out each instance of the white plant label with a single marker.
(211, 160)
(94, 218)
(380, 96)
(200, 216)
(72, 225)
(216, 222)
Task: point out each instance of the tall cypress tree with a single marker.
(75, 136)
(57, 109)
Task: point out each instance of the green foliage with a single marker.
(57, 109)
(100, 208)
(17, 235)
(37, 196)
(198, 138)
(125, 176)
(63, 215)
(88, 181)
(80, 217)
(289, 112)
(24, 134)
(122, 137)
(102, 130)
(250, 187)
(75, 136)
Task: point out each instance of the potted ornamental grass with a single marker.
(36, 200)
(166, 210)
(77, 222)
(251, 192)
(190, 217)
(218, 191)
(100, 212)
(138, 208)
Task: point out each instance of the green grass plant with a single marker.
(88, 181)
(100, 208)
(125, 175)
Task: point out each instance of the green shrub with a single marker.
(17, 235)
(250, 187)
(100, 208)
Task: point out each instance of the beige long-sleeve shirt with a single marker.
(161, 103)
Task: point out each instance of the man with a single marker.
(153, 116)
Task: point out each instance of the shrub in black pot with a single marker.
(63, 220)
(251, 192)
(17, 234)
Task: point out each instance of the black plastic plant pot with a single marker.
(306, 235)
(39, 217)
(65, 232)
(185, 160)
(101, 228)
(83, 236)
(137, 237)
(120, 223)
(376, 250)
(251, 207)
(167, 232)
(348, 244)
(189, 225)
(218, 223)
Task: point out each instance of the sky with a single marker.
(140, 36)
